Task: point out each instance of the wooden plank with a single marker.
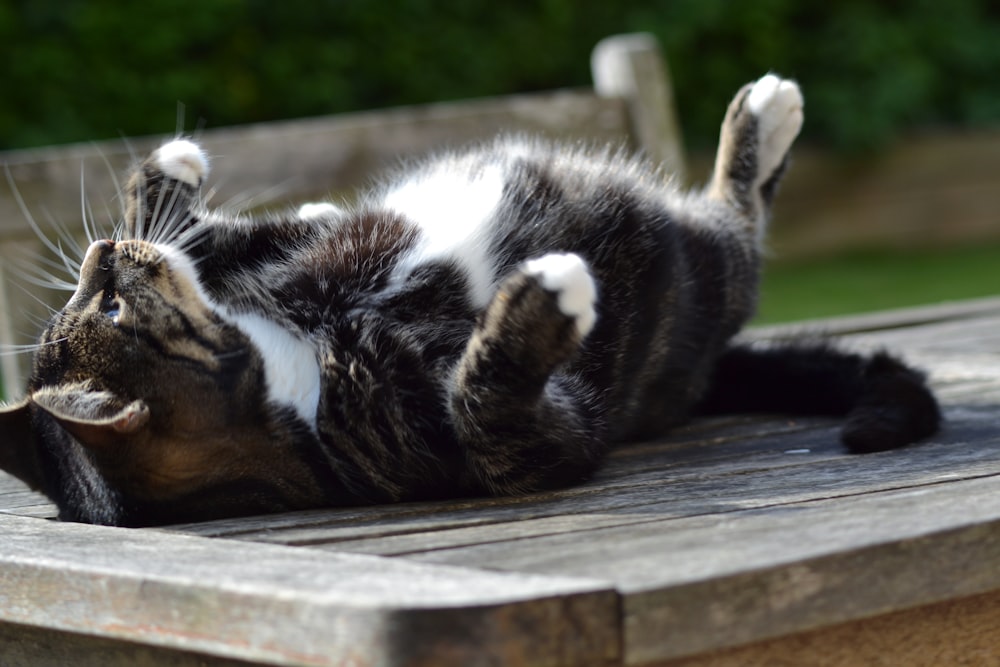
(715, 490)
(25, 646)
(884, 320)
(305, 158)
(283, 606)
(713, 581)
(956, 632)
(632, 68)
(692, 472)
(646, 482)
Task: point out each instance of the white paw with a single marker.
(567, 275)
(183, 160)
(777, 104)
(314, 210)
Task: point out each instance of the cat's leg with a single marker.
(163, 192)
(524, 425)
(887, 404)
(760, 125)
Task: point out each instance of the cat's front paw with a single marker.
(535, 322)
(777, 105)
(182, 160)
(317, 211)
(567, 277)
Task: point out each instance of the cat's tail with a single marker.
(887, 404)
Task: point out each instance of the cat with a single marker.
(487, 321)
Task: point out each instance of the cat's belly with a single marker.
(454, 211)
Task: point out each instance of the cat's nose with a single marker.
(97, 255)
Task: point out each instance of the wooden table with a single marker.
(735, 541)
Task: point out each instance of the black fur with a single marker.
(592, 304)
(887, 404)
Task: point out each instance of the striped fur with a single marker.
(486, 321)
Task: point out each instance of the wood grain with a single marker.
(278, 605)
(956, 632)
(729, 531)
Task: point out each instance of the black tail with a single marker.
(887, 403)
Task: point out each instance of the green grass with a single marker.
(876, 280)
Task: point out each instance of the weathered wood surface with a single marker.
(293, 606)
(728, 534)
(956, 632)
(631, 68)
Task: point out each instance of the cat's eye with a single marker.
(113, 309)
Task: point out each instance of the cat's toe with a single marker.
(567, 276)
(777, 104)
(182, 160)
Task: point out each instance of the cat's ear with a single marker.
(18, 455)
(96, 419)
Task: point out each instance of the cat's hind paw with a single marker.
(777, 104)
(182, 160)
(567, 276)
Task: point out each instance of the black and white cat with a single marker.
(485, 322)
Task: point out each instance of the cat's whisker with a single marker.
(72, 268)
(99, 231)
(84, 208)
(42, 278)
(10, 349)
(179, 127)
(35, 259)
(113, 173)
(35, 320)
(26, 212)
(140, 214)
(247, 200)
(209, 195)
(188, 239)
(165, 221)
(39, 322)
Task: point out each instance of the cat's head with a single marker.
(144, 405)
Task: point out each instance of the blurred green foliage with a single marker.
(88, 69)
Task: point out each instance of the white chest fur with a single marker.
(290, 365)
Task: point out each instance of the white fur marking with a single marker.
(453, 210)
(762, 92)
(291, 370)
(777, 103)
(183, 160)
(290, 365)
(567, 275)
(314, 210)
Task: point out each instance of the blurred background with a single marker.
(893, 199)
